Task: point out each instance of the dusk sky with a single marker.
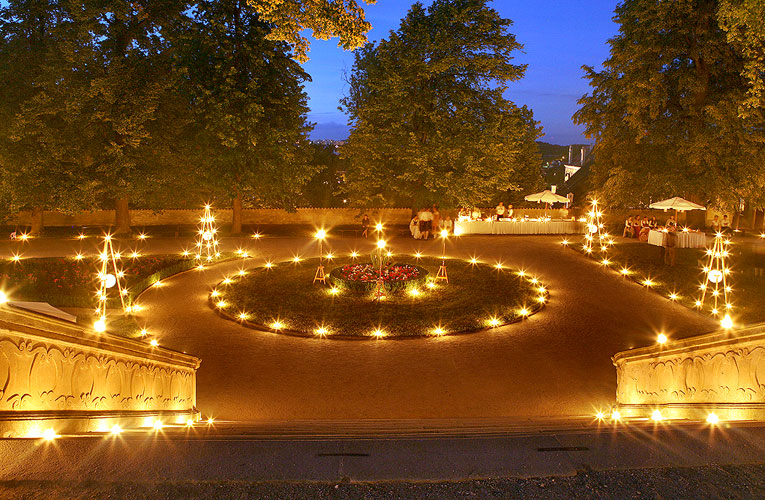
(559, 36)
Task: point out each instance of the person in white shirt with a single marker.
(476, 214)
(509, 211)
(500, 210)
(414, 228)
(426, 223)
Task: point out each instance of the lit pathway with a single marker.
(556, 363)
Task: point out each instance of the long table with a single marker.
(682, 240)
(518, 227)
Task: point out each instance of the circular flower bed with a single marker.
(283, 298)
(363, 277)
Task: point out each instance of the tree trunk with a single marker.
(236, 222)
(122, 215)
(37, 221)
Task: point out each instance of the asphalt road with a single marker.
(557, 363)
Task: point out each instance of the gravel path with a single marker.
(557, 363)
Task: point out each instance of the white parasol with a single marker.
(547, 197)
(677, 204)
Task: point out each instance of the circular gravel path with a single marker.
(553, 364)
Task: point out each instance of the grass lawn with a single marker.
(645, 261)
(72, 284)
(474, 295)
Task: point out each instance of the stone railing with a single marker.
(56, 374)
(721, 372)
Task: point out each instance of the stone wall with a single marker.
(56, 374)
(721, 372)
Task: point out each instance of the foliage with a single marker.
(363, 277)
(341, 18)
(742, 20)
(249, 138)
(428, 115)
(474, 294)
(68, 282)
(646, 261)
(325, 189)
(664, 110)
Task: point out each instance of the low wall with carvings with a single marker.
(56, 374)
(721, 372)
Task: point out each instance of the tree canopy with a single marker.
(429, 120)
(665, 109)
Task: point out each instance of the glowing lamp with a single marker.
(378, 333)
(713, 419)
(189, 423)
(438, 331)
(494, 322)
(564, 242)
(379, 226)
(474, 261)
(661, 338)
(523, 311)
(3, 297)
(414, 292)
(49, 435)
(600, 415)
(321, 331)
(334, 291)
(444, 233)
(154, 343)
(157, 425)
(276, 325)
(381, 244)
(431, 285)
(727, 322)
(354, 254)
(656, 416)
(615, 415)
(418, 255)
(243, 316)
(268, 265)
(321, 234)
(207, 235)
(210, 421)
(100, 325)
(715, 276)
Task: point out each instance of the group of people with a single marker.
(428, 223)
(639, 227)
(720, 225)
(500, 212)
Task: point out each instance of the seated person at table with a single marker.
(653, 223)
(725, 224)
(464, 212)
(637, 225)
(627, 228)
(715, 225)
(671, 222)
(509, 211)
(645, 228)
(476, 214)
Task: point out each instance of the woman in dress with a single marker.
(627, 233)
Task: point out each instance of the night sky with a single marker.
(559, 36)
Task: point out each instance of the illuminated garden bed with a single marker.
(282, 298)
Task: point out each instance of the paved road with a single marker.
(555, 364)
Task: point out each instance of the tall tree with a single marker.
(40, 132)
(429, 118)
(742, 21)
(250, 107)
(664, 111)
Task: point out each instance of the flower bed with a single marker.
(363, 277)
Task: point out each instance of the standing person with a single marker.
(670, 242)
(627, 233)
(365, 226)
(436, 222)
(448, 224)
(636, 226)
(414, 228)
(500, 210)
(426, 223)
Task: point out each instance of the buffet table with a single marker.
(518, 227)
(683, 240)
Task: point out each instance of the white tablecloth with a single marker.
(683, 240)
(518, 227)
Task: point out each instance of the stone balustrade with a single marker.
(56, 374)
(721, 372)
